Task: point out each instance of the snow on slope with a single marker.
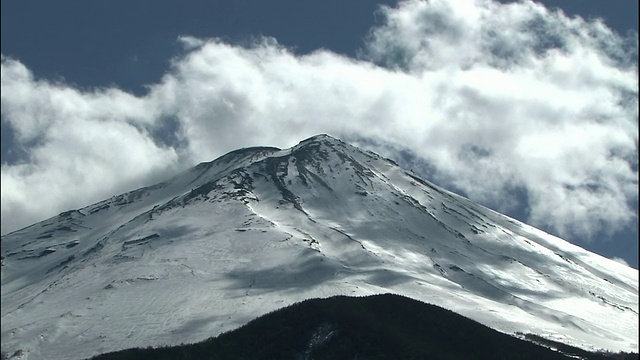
(262, 228)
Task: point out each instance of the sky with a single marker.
(529, 108)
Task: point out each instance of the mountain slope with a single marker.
(374, 327)
(262, 228)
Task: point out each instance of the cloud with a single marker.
(81, 146)
(503, 102)
(620, 260)
(190, 42)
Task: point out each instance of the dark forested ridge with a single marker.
(373, 327)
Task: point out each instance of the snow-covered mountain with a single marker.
(262, 228)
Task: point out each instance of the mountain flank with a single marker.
(385, 326)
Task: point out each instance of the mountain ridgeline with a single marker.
(259, 229)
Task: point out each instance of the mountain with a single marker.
(262, 228)
(373, 327)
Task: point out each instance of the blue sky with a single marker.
(530, 111)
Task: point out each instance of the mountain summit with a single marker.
(262, 228)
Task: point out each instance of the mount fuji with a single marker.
(262, 228)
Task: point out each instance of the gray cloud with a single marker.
(492, 97)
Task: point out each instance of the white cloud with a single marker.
(493, 97)
(620, 260)
(82, 146)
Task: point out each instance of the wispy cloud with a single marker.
(493, 97)
(620, 260)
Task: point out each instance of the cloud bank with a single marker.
(505, 102)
